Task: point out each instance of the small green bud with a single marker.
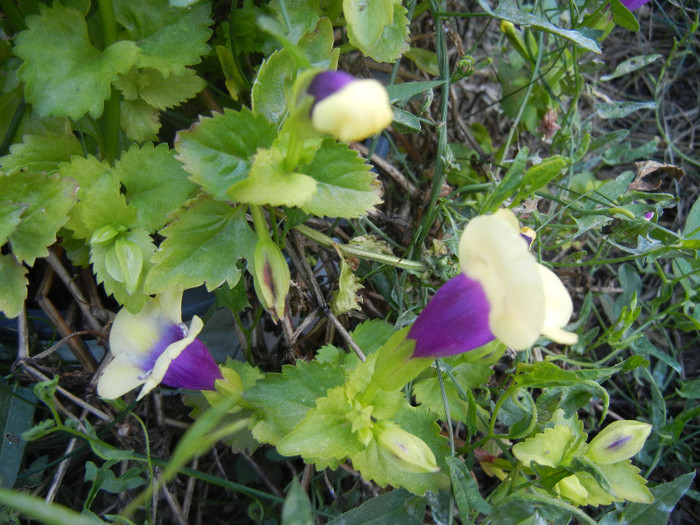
(618, 441)
(104, 235)
(515, 37)
(272, 277)
(408, 452)
(124, 262)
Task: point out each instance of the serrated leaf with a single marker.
(100, 201)
(41, 152)
(397, 506)
(272, 85)
(13, 276)
(268, 182)
(169, 38)
(157, 90)
(345, 298)
(367, 20)
(156, 183)
(46, 200)
(10, 217)
(65, 74)
(393, 41)
(371, 335)
(345, 185)
(284, 399)
(201, 246)
(546, 448)
(296, 509)
(217, 151)
(139, 121)
(508, 10)
(131, 296)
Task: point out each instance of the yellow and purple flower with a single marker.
(154, 346)
(502, 292)
(348, 108)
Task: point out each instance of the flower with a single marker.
(502, 292)
(155, 346)
(348, 108)
(631, 5)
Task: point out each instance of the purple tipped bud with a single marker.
(618, 441)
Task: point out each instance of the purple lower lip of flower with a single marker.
(631, 5)
(193, 369)
(328, 82)
(455, 320)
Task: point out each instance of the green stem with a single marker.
(324, 240)
(261, 229)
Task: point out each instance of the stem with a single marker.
(324, 240)
(259, 222)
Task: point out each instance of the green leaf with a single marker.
(540, 175)
(202, 245)
(666, 496)
(46, 200)
(546, 448)
(622, 16)
(425, 60)
(127, 287)
(393, 41)
(405, 122)
(345, 298)
(169, 38)
(284, 399)
(139, 121)
(41, 152)
(65, 74)
(465, 489)
(296, 509)
(367, 20)
(511, 182)
(155, 182)
(38, 509)
(158, 90)
(631, 65)
(397, 506)
(345, 185)
(326, 431)
(621, 109)
(10, 217)
(406, 90)
(508, 10)
(270, 183)
(17, 406)
(371, 335)
(217, 151)
(100, 201)
(625, 481)
(273, 85)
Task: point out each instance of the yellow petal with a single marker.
(119, 377)
(492, 252)
(558, 308)
(355, 112)
(170, 353)
(136, 334)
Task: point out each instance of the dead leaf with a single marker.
(651, 174)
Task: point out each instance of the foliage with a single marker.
(158, 145)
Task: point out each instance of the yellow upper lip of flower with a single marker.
(526, 298)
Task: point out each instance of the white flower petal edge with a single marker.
(355, 112)
(170, 353)
(526, 299)
(119, 377)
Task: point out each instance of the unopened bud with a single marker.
(570, 488)
(407, 451)
(618, 441)
(124, 262)
(272, 277)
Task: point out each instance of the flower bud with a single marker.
(104, 235)
(124, 262)
(272, 277)
(618, 441)
(409, 452)
(348, 108)
(570, 488)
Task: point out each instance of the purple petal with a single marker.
(634, 4)
(328, 82)
(455, 320)
(171, 334)
(193, 369)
